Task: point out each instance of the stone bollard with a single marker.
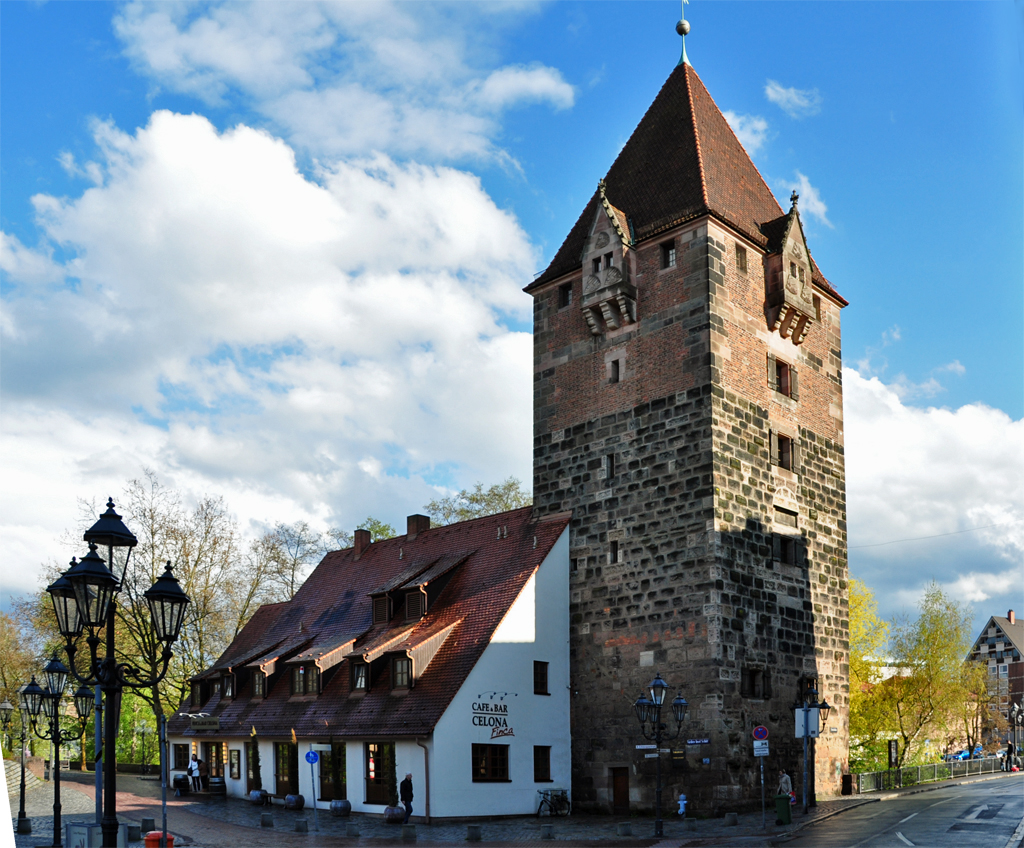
(624, 829)
(301, 825)
(266, 819)
(731, 819)
(547, 831)
(147, 825)
(408, 833)
(473, 833)
(352, 829)
(690, 824)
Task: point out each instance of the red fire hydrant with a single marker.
(153, 839)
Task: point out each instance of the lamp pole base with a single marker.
(24, 824)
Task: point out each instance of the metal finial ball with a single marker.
(683, 28)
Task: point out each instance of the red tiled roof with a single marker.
(335, 601)
(683, 161)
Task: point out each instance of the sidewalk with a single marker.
(207, 821)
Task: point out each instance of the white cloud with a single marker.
(751, 130)
(512, 85)
(323, 349)
(346, 79)
(928, 475)
(795, 102)
(810, 199)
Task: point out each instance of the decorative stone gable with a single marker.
(790, 304)
(609, 298)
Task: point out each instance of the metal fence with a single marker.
(877, 781)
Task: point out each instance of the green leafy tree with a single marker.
(868, 647)
(478, 502)
(928, 689)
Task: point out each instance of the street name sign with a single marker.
(646, 747)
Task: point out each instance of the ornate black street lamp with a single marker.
(812, 713)
(24, 822)
(84, 599)
(649, 711)
(46, 702)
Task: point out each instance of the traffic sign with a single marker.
(760, 747)
(760, 732)
(312, 757)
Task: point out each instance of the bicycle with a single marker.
(555, 801)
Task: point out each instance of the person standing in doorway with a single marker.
(193, 773)
(204, 774)
(405, 794)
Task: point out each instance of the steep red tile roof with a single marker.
(506, 549)
(683, 161)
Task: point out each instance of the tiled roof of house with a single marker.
(1013, 633)
(334, 603)
(683, 161)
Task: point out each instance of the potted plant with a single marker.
(258, 795)
(340, 806)
(393, 814)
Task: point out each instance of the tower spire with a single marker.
(683, 27)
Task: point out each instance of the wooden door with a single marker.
(620, 791)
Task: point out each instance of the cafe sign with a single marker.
(205, 723)
(492, 714)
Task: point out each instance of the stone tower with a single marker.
(688, 409)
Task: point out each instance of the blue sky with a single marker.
(275, 252)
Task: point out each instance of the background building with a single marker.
(999, 647)
(688, 409)
(443, 653)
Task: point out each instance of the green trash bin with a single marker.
(783, 815)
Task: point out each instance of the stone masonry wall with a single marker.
(672, 469)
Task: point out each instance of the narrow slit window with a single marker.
(613, 551)
(741, 258)
(609, 466)
(597, 265)
(540, 678)
(564, 295)
(614, 371)
(608, 260)
(668, 254)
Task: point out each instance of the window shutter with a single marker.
(745, 683)
(800, 547)
(773, 442)
(776, 547)
(793, 393)
(380, 610)
(794, 456)
(414, 606)
(767, 683)
(772, 377)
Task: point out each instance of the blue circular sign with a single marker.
(311, 757)
(760, 732)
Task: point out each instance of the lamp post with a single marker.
(24, 822)
(649, 711)
(84, 598)
(1017, 718)
(810, 726)
(47, 702)
(6, 717)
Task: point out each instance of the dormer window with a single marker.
(259, 684)
(360, 677)
(381, 610)
(228, 686)
(305, 679)
(401, 673)
(197, 694)
(415, 605)
(216, 687)
(608, 257)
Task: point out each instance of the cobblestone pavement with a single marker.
(205, 821)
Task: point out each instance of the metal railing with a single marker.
(879, 781)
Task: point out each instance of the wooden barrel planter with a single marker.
(218, 786)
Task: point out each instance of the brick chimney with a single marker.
(362, 542)
(1011, 617)
(416, 524)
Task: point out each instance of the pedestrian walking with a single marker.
(785, 784)
(193, 773)
(405, 794)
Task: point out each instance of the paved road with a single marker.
(981, 815)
